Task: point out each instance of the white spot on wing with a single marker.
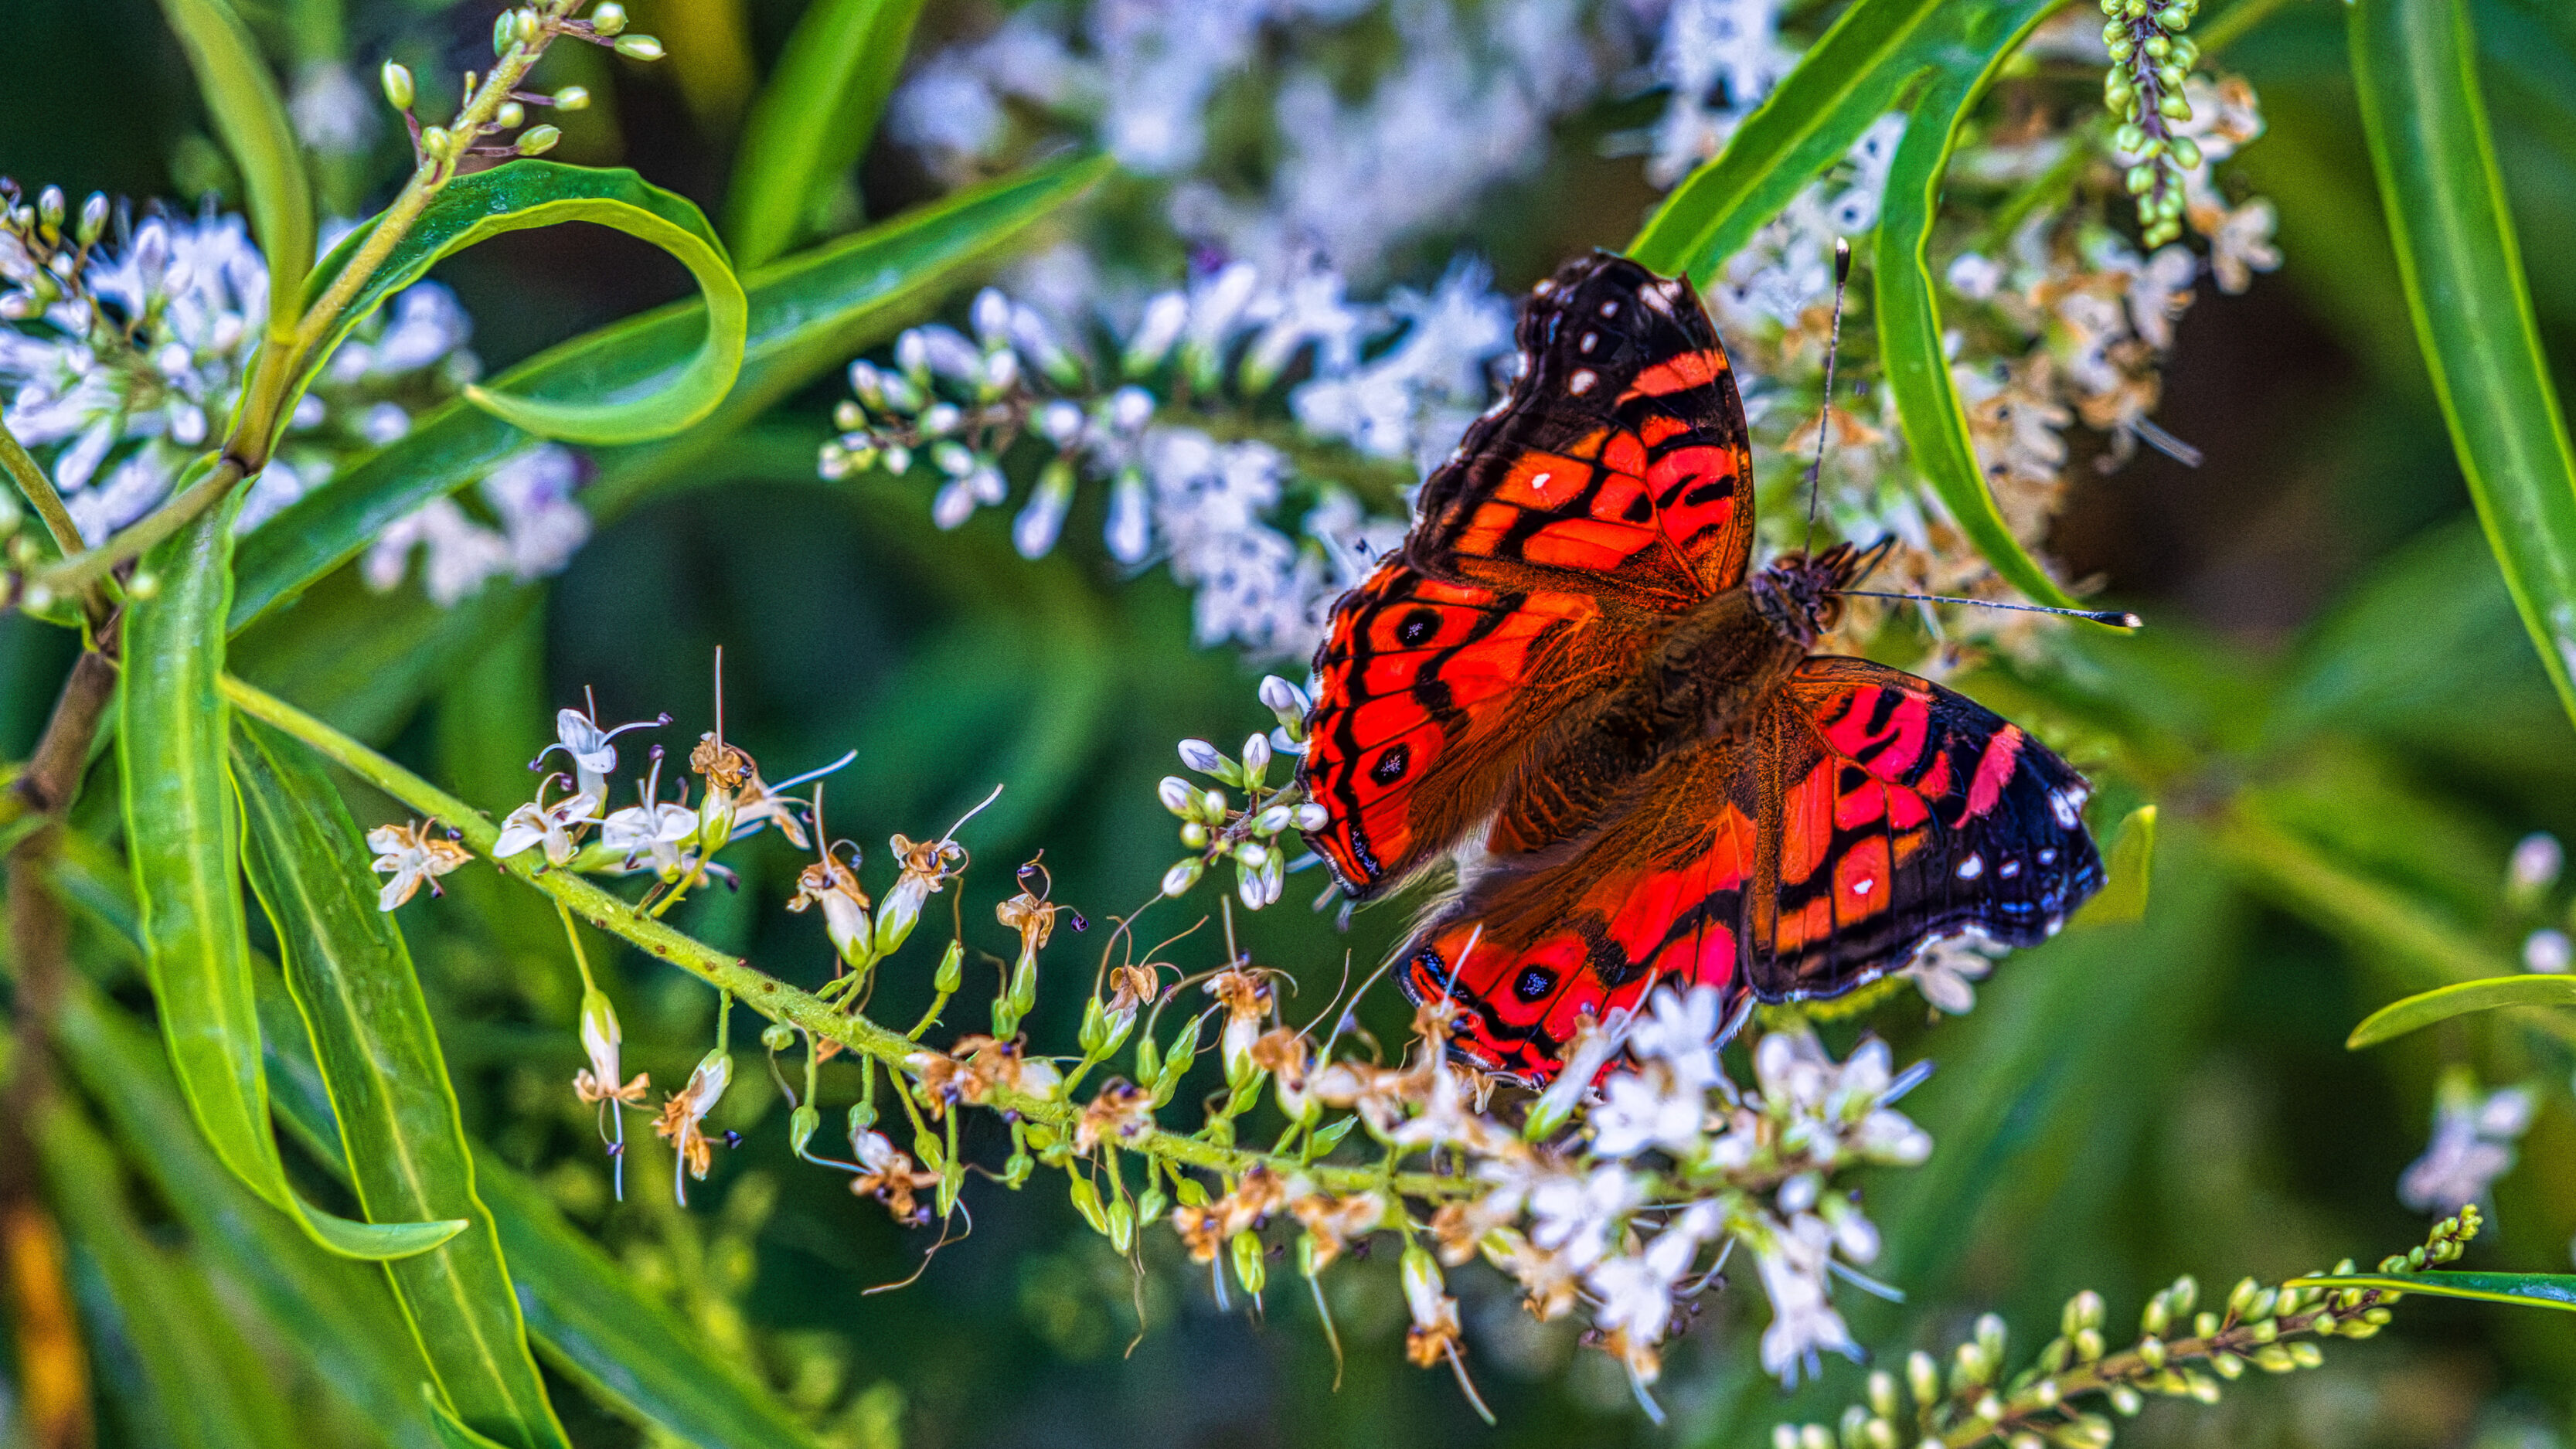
(1659, 298)
(1589, 339)
(2067, 806)
(1610, 309)
(1973, 867)
(1538, 483)
(2008, 869)
(1581, 382)
(1863, 886)
(2048, 856)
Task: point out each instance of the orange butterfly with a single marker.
(1566, 682)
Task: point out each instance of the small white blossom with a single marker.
(538, 823)
(2473, 1145)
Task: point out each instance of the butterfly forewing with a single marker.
(1619, 466)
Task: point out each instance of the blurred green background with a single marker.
(2334, 707)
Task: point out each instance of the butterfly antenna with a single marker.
(1825, 424)
(2116, 618)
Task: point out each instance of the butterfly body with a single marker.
(1567, 686)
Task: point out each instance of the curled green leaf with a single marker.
(2421, 1010)
(624, 408)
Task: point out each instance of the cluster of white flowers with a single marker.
(1468, 105)
(124, 348)
(1719, 58)
(1264, 548)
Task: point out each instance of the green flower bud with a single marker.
(2185, 152)
(2228, 1365)
(1251, 1265)
(505, 31)
(608, 19)
(510, 115)
(2083, 1311)
(639, 47)
(93, 217)
(1923, 1379)
(778, 1036)
(1183, 875)
(2141, 179)
(2129, 138)
(50, 207)
(2157, 47)
(141, 586)
(2173, 107)
(572, 98)
(1122, 1226)
(801, 1127)
(433, 139)
(952, 969)
(537, 140)
(2172, 17)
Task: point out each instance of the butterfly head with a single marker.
(1801, 594)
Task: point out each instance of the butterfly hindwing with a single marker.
(1655, 897)
(1618, 466)
(1906, 813)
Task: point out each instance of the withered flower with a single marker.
(1333, 1222)
(890, 1176)
(684, 1111)
(1122, 1110)
(416, 854)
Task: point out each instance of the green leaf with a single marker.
(1850, 77)
(243, 99)
(181, 833)
(341, 1315)
(626, 1347)
(202, 1386)
(1909, 321)
(2132, 862)
(452, 1431)
(351, 976)
(807, 313)
(813, 120)
(2413, 64)
(2533, 1290)
(1943, 53)
(645, 402)
(2423, 1009)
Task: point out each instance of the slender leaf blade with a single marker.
(248, 114)
(814, 119)
(2532, 1290)
(403, 1136)
(341, 1315)
(182, 832)
(1909, 321)
(2413, 65)
(2423, 1009)
(806, 313)
(1851, 76)
(2131, 865)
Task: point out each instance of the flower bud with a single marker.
(1178, 796)
(93, 217)
(952, 969)
(2184, 150)
(1086, 1201)
(1182, 876)
(1273, 820)
(1251, 1263)
(639, 47)
(1312, 816)
(1122, 1226)
(50, 207)
(1923, 1379)
(778, 1036)
(510, 115)
(2083, 1311)
(537, 140)
(1256, 759)
(802, 1124)
(1201, 756)
(1286, 701)
(608, 19)
(572, 98)
(2173, 107)
(1194, 836)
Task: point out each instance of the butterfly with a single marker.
(1569, 683)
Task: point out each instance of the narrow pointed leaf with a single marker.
(202, 1385)
(403, 1137)
(249, 116)
(1850, 77)
(1909, 321)
(182, 833)
(2414, 69)
(2532, 1290)
(807, 313)
(2421, 1010)
(813, 120)
(341, 1314)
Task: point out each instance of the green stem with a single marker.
(31, 480)
(763, 993)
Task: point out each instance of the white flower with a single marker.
(1680, 1030)
(1793, 1262)
(333, 113)
(552, 826)
(414, 856)
(2546, 950)
(1946, 970)
(2160, 291)
(2472, 1146)
(1652, 1109)
(2536, 862)
(1576, 1215)
(579, 736)
(541, 528)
